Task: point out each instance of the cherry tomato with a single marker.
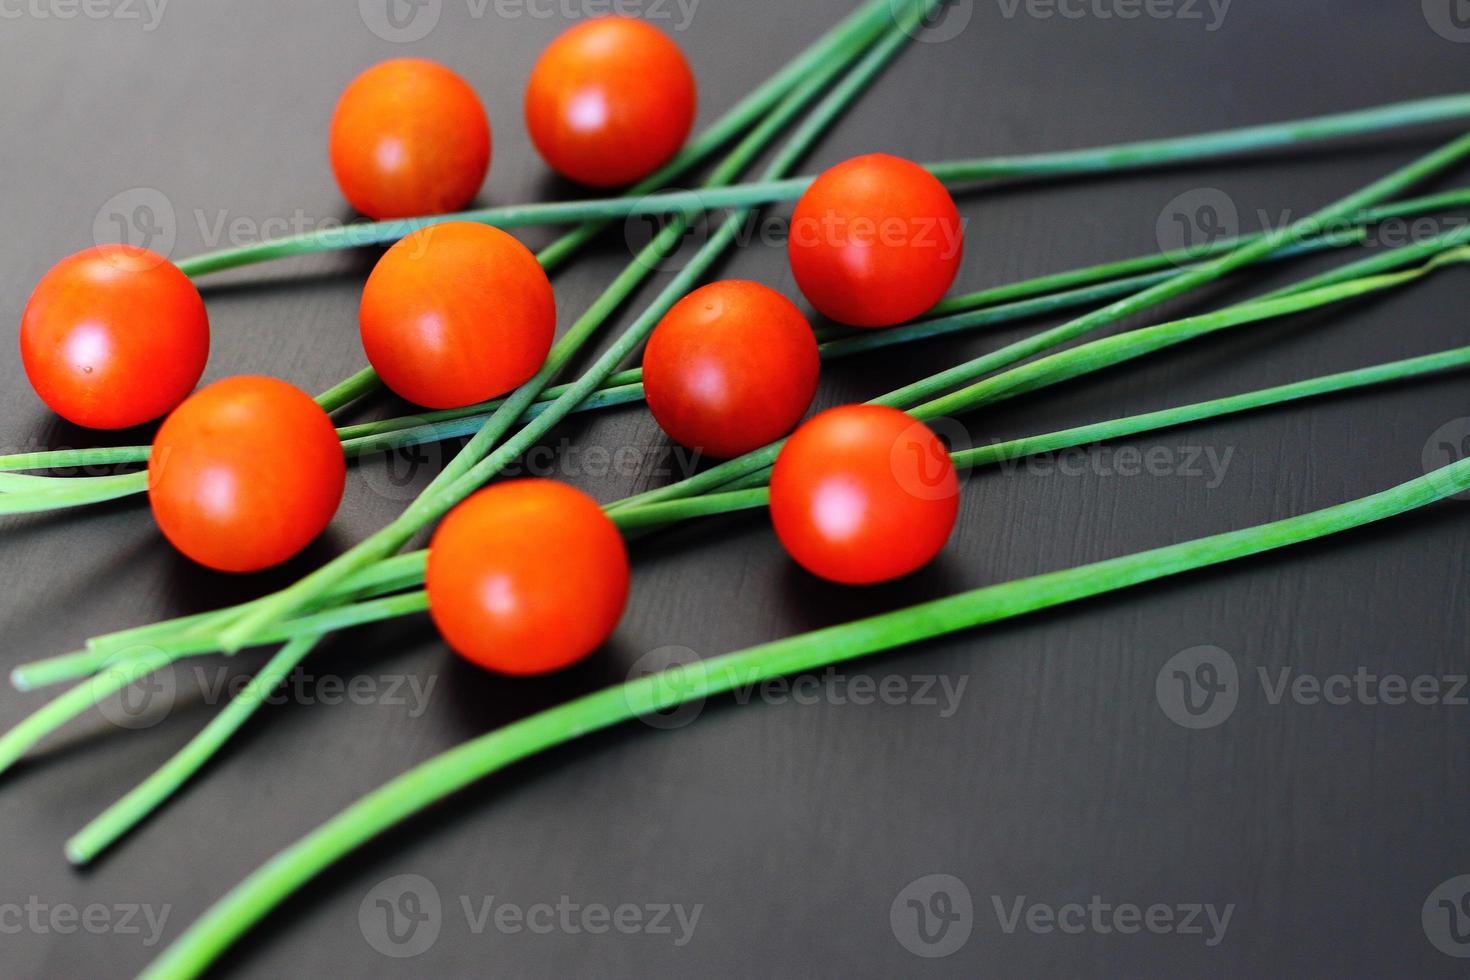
(245, 473)
(527, 577)
(409, 137)
(875, 241)
(457, 313)
(610, 101)
(731, 367)
(114, 336)
(862, 494)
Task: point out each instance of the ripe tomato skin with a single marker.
(114, 336)
(863, 494)
(409, 137)
(730, 368)
(245, 473)
(610, 101)
(457, 313)
(875, 240)
(526, 577)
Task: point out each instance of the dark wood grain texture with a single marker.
(1054, 775)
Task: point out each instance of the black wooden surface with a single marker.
(1054, 776)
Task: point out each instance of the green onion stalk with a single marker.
(302, 634)
(449, 772)
(23, 493)
(642, 201)
(983, 308)
(914, 396)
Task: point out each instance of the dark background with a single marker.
(1056, 777)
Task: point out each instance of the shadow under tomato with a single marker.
(809, 602)
(281, 278)
(195, 588)
(52, 432)
(480, 700)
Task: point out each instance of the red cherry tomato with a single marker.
(457, 313)
(610, 101)
(245, 473)
(409, 137)
(731, 367)
(863, 493)
(114, 336)
(527, 577)
(875, 241)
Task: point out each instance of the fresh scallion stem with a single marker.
(1109, 351)
(639, 200)
(408, 569)
(1186, 280)
(118, 819)
(449, 772)
(60, 493)
(991, 306)
(1083, 435)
